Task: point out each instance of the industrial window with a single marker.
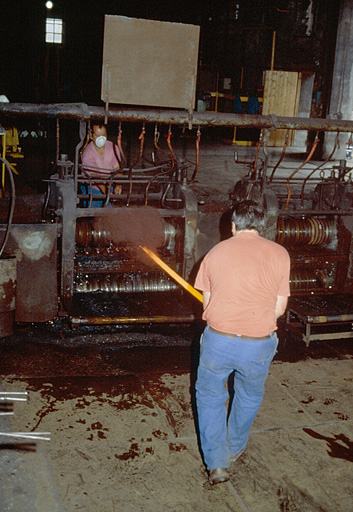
(54, 30)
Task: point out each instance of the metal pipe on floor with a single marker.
(131, 320)
(14, 396)
(33, 436)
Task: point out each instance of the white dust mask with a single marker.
(100, 141)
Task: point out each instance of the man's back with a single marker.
(244, 274)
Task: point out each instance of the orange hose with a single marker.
(198, 138)
(312, 151)
(169, 142)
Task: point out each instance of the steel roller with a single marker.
(309, 231)
(124, 284)
(89, 235)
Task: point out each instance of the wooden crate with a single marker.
(281, 97)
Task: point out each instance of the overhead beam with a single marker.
(83, 112)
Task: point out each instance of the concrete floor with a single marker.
(123, 436)
(120, 413)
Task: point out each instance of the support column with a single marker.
(341, 103)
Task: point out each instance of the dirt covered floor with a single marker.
(120, 412)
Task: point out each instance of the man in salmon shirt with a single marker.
(100, 159)
(245, 285)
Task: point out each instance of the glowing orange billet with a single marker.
(173, 274)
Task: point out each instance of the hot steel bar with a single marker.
(83, 112)
(173, 274)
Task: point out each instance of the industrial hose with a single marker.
(12, 205)
(286, 140)
(312, 151)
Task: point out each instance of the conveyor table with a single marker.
(319, 318)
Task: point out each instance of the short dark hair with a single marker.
(100, 124)
(248, 215)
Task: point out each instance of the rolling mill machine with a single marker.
(311, 214)
(87, 264)
(92, 258)
(101, 256)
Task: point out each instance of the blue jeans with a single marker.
(219, 357)
(95, 192)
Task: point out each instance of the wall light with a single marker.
(49, 5)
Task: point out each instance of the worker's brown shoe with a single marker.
(218, 475)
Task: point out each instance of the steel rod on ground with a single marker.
(14, 396)
(34, 436)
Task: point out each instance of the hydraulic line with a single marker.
(168, 171)
(119, 144)
(312, 151)
(156, 140)
(286, 140)
(336, 144)
(198, 138)
(259, 145)
(142, 142)
(169, 142)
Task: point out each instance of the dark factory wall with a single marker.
(236, 42)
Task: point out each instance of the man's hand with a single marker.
(118, 189)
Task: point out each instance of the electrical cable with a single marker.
(336, 144)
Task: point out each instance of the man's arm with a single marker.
(206, 299)
(281, 305)
(117, 188)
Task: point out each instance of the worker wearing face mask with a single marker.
(100, 159)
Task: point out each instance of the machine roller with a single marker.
(103, 265)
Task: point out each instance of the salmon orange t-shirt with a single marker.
(244, 275)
